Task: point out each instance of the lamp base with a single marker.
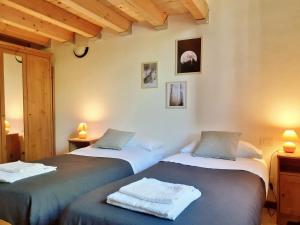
(82, 135)
(289, 149)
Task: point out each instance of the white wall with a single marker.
(250, 79)
(13, 92)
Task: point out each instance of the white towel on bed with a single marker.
(167, 211)
(156, 191)
(20, 167)
(13, 177)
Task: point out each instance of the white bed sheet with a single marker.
(139, 158)
(255, 166)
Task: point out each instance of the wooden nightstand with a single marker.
(2, 222)
(288, 188)
(75, 143)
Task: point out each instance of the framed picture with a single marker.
(176, 95)
(188, 56)
(149, 75)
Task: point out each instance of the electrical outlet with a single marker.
(266, 141)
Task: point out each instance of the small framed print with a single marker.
(149, 75)
(189, 56)
(176, 95)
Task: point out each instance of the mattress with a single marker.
(229, 197)
(40, 200)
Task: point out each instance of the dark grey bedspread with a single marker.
(228, 198)
(41, 199)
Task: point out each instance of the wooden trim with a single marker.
(142, 10)
(128, 9)
(27, 22)
(53, 110)
(2, 111)
(21, 49)
(55, 15)
(25, 107)
(98, 13)
(31, 37)
(198, 8)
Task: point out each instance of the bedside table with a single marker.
(75, 143)
(2, 222)
(288, 188)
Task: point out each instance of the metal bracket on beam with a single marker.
(128, 32)
(163, 26)
(96, 38)
(203, 21)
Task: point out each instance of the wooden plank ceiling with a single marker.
(37, 22)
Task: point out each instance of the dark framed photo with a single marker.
(189, 56)
(149, 75)
(176, 95)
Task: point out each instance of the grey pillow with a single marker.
(217, 144)
(114, 139)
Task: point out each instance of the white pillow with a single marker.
(149, 144)
(146, 143)
(247, 150)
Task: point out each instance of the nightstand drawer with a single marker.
(290, 194)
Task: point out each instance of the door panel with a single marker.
(290, 194)
(38, 108)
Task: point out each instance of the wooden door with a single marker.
(38, 109)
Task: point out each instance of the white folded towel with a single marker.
(13, 177)
(156, 191)
(19, 167)
(167, 211)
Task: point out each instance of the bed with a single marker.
(233, 193)
(40, 200)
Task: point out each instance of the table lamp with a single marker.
(82, 130)
(6, 126)
(289, 136)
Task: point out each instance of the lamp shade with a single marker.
(82, 127)
(290, 135)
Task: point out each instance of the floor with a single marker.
(267, 219)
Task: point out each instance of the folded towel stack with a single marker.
(151, 196)
(14, 171)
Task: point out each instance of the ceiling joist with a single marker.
(15, 32)
(97, 12)
(198, 8)
(27, 22)
(142, 10)
(41, 21)
(53, 14)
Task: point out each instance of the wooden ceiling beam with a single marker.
(27, 22)
(198, 8)
(27, 36)
(55, 15)
(97, 12)
(128, 9)
(145, 9)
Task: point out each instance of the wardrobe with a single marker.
(26, 104)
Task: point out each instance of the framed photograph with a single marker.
(176, 95)
(149, 75)
(188, 56)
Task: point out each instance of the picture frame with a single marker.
(189, 56)
(149, 75)
(176, 95)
